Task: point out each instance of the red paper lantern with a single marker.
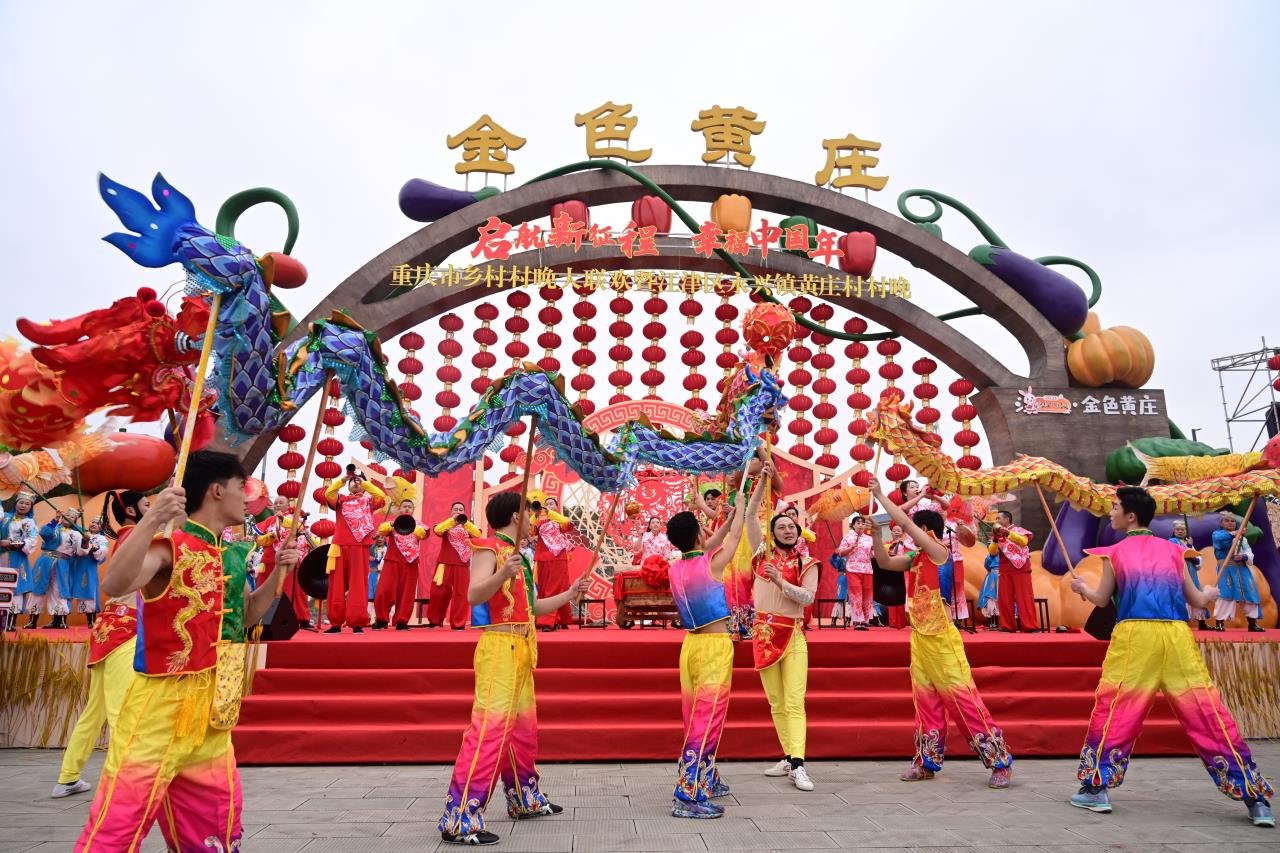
(928, 415)
(897, 472)
(289, 489)
(411, 366)
(333, 417)
(802, 451)
(329, 446)
(926, 391)
(1273, 363)
(964, 412)
(291, 460)
(328, 469)
(863, 452)
(323, 528)
(859, 249)
(413, 340)
(577, 210)
(449, 322)
(967, 438)
(889, 347)
(768, 328)
(960, 388)
(444, 423)
(861, 479)
(319, 494)
(409, 391)
(292, 433)
(969, 463)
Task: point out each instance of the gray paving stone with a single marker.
(322, 830)
(854, 839)
(748, 840)
(356, 803)
(373, 845)
(677, 843)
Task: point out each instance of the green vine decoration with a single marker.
(937, 199)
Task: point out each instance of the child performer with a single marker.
(551, 558)
(377, 553)
(1011, 544)
(1237, 587)
(111, 651)
(786, 582)
(453, 574)
(1152, 649)
(706, 654)
(165, 751)
(989, 595)
(349, 567)
(398, 585)
(856, 548)
(51, 577)
(84, 571)
(502, 737)
(19, 538)
(941, 683)
(272, 532)
(1184, 541)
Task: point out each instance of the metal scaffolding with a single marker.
(1256, 401)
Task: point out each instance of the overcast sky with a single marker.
(1140, 138)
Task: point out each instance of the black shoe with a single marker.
(1255, 628)
(31, 623)
(379, 624)
(336, 629)
(1221, 626)
(306, 625)
(1200, 625)
(859, 627)
(402, 626)
(546, 629)
(459, 627)
(475, 839)
(91, 618)
(546, 811)
(357, 630)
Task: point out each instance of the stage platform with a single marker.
(610, 695)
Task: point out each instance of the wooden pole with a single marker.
(1056, 533)
(292, 533)
(524, 485)
(197, 391)
(1235, 541)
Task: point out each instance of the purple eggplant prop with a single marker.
(1079, 530)
(1057, 297)
(423, 201)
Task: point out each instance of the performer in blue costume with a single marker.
(1182, 540)
(1236, 585)
(84, 571)
(989, 595)
(60, 543)
(19, 538)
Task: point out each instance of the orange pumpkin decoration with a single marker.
(732, 212)
(1119, 354)
(1091, 324)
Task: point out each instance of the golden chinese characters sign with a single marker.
(609, 123)
(484, 147)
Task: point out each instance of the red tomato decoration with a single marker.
(859, 249)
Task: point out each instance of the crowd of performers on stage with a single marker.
(167, 650)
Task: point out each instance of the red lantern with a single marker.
(577, 210)
(323, 528)
(289, 489)
(897, 472)
(412, 340)
(292, 433)
(333, 417)
(768, 328)
(329, 446)
(649, 210)
(291, 460)
(859, 249)
(862, 479)
(970, 463)
(328, 469)
(960, 387)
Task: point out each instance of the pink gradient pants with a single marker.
(942, 687)
(501, 739)
(706, 674)
(166, 763)
(861, 606)
(1147, 656)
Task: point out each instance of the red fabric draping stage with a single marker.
(614, 695)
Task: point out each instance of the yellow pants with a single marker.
(785, 683)
(108, 683)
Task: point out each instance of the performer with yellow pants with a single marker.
(1152, 650)
(706, 654)
(501, 741)
(786, 582)
(170, 755)
(941, 683)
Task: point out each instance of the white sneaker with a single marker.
(77, 787)
(802, 780)
(782, 768)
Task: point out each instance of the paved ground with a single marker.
(1167, 804)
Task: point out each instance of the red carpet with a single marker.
(393, 697)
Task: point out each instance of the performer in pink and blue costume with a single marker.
(1153, 650)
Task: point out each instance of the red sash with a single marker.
(770, 636)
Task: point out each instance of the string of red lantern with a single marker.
(925, 391)
(550, 316)
(1273, 364)
(824, 386)
(620, 329)
(516, 349)
(448, 373)
(654, 331)
(964, 413)
(291, 460)
(585, 333)
(727, 335)
(328, 447)
(890, 372)
(693, 357)
(484, 337)
(858, 376)
(799, 378)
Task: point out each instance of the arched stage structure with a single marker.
(1075, 439)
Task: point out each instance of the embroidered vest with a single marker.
(178, 630)
(115, 626)
(409, 547)
(355, 514)
(455, 547)
(512, 604)
(698, 596)
(929, 612)
(552, 543)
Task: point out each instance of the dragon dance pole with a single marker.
(296, 521)
(1056, 533)
(1235, 541)
(524, 485)
(197, 391)
(608, 519)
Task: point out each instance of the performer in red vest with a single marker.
(1011, 544)
(398, 584)
(349, 553)
(271, 533)
(551, 555)
(453, 571)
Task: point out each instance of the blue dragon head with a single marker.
(154, 227)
